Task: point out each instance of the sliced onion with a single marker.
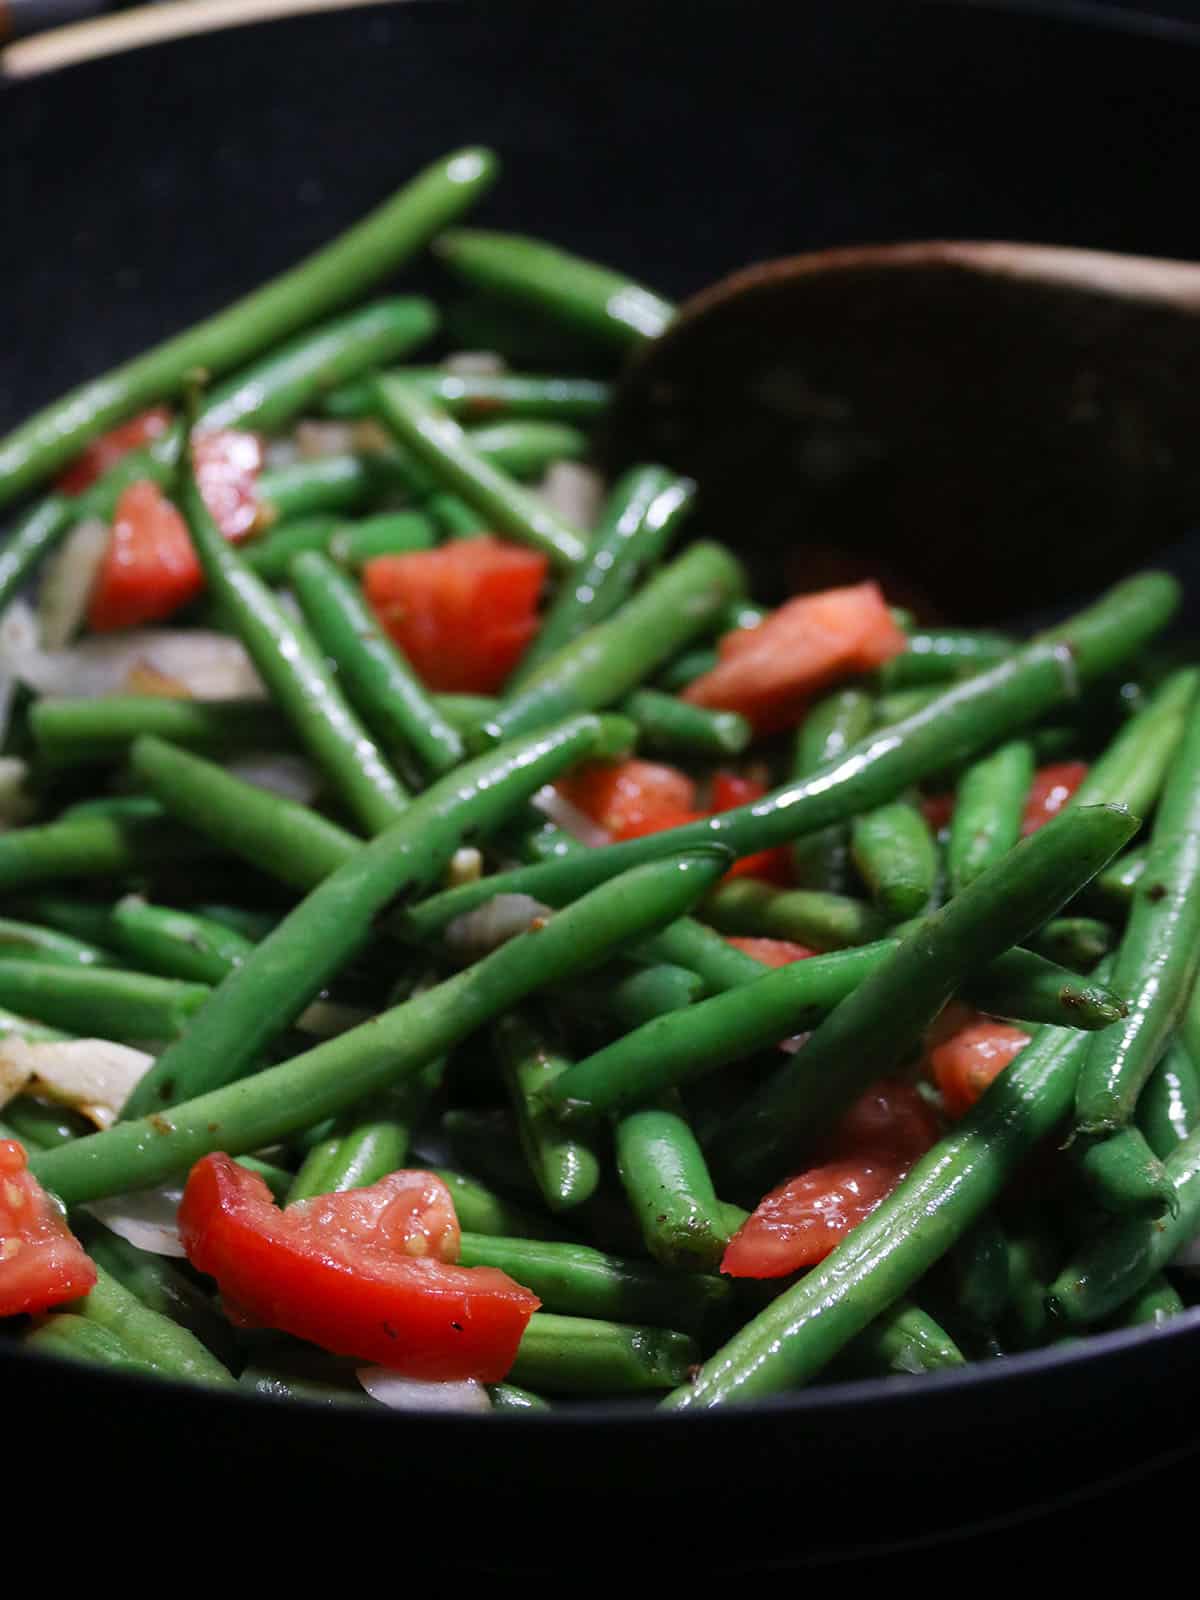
(148, 1218)
(289, 775)
(68, 579)
(280, 453)
(569, 818)
(479, 932)
(475, 364)
(94, 1076)
(574, 491)
(466, 866)
(419, 1394)
(210, 666)
(16, 803)
(325, 1018)
(317, 440)
(796, 1042)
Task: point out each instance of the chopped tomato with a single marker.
(368, 1273)
(618, 795)
(769, 673)
(463, 613)
(1049, 792)
(730, 790)
(772, 952)
(42, 1264)
(865, 1157)
(965, 1062)
(96, 458)
(149, 569)
(937, 809)
(227, 465)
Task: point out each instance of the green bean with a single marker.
(30, 943)
(970, 717)
(301, 683)
(13, 1026)
(1078, 942)
(177, 944)
(1131, 771)
(641, 515)
(33, 537)
(331, 276)
(944, 1194)
(872, 1030)
(690, 944)
(388, 533)
(455, 518)
(564, 1165)
(671, 726)
(486, 1142)
(465, 711)
(1034, 1256)
(577, 1281)
(833, 725)
(1169, 1106)
(943, 654)
(270, 555)
(480, 1210)
(293, 1372)
(764, 1007)
(378, 679)
(583, 1355)
(603, 664)
(72, 732)
(438, 442)
(506, 1397)
(989, 806)
(67, 1335)
(294, 962)
(252, 925)
(475, 396)
(114, 805)
(580, 294)
(40, 1125)
(896, 856)
(368, 1142)
(685, 669)
(822, 921)
(521, 337)
(981, 1277)
(1159, 955)
(281, 837)
(331, 485)
(904, 1339)
(153, 1337)
(1123, 1172)
(665, 1176)
(901, 704)
(626, 1002)
(1118, 882)
(1110, 1268)
(1157, 1303)
(101, 1002)
(260, 1110)
(525, 448)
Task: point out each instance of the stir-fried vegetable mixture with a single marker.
(457, 948)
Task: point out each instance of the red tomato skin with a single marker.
(621, 794)
(149, 569)
(362, 1274)
(462, 613)
(964, 1062)
(42, 1264)
(96, 458)
(1049, 792)
(938, 810)
(798, 1223)
(770, 673)
(771, 952)
(227, 463)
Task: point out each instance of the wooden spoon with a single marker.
(989, 427)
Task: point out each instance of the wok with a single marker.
(679, 141)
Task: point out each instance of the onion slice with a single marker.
(94, 1076)
(558, 809)
(419, 1394)
(479, 932)
(148, 1218)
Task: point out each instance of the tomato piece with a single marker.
(965, 1062)
(865, 1157)
(771, 952)
(1049, 792)
(938, 809)
(618, 795)
(42, 1264)
(463, 613)
(368, 1273)
(227, 464)
(769, 673)
(96, 458)
(658, 823)
(149, 569)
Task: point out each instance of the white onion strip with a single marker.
(419, 1394)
